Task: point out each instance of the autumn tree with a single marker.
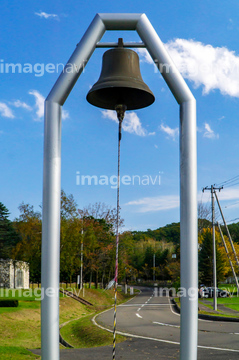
(28, 227)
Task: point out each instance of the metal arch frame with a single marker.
(52, 179)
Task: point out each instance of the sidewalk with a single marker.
(220, 307)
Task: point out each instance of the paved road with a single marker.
(147, 317)
(153, 317)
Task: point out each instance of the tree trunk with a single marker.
(103, 275)
(96, 279)
(90, 279)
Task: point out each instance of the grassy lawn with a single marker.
(83, 333)
(231, 288)
(16, 353)
(230, 302)
(20, 327)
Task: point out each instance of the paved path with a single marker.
(138, 349)
(152, 317)
(220, 307)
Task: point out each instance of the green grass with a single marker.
(218, 314)
(231, 288)
(20, 294)
(83, 333)
(230, 302)
(16, 353)
(20, 327)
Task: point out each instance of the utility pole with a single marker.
(213, 191)
(154, 267)
(228, 255)
(81, 260)
(228, 233)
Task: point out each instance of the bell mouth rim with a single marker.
(131, 105)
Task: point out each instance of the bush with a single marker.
(8, 303)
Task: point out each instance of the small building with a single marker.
(14, 274)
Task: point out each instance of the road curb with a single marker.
(204, 316)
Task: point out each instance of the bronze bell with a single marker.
(120, 82)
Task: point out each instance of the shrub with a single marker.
(8, 303)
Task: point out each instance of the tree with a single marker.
(68, 206)
(101, 211)
(28, 227)
(234, 231)
(206, 258)
(204, 217)
(8, 235)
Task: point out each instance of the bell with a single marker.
(120, 82)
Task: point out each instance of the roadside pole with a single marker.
(212, 189)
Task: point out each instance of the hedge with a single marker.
(8, 303)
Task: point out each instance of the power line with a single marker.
(227, 206)
(229, 181)
(230, 185)
(232, 220)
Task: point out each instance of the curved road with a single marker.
(151, 317)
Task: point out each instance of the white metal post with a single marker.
(188, 231)
(51, 186)
(51, 232)
(81, 259)
(52, 190)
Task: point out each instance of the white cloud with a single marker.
(21, 104)
(5, 111)
(65, 114)
(158, 203)
(228, 194)
(207, 66)
(44, 15)
(39, 104)
(168, 202)
(172, 133)
(209, 133)
(211, 67)
(130, 124)
(144, 56)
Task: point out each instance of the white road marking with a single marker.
(172, 308)
(139, 316)
(154, 339)
(159, 340)
(176, 326)
(179, 314)
(144, 304)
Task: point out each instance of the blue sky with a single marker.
(202, 39)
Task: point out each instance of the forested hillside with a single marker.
(94, 226)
